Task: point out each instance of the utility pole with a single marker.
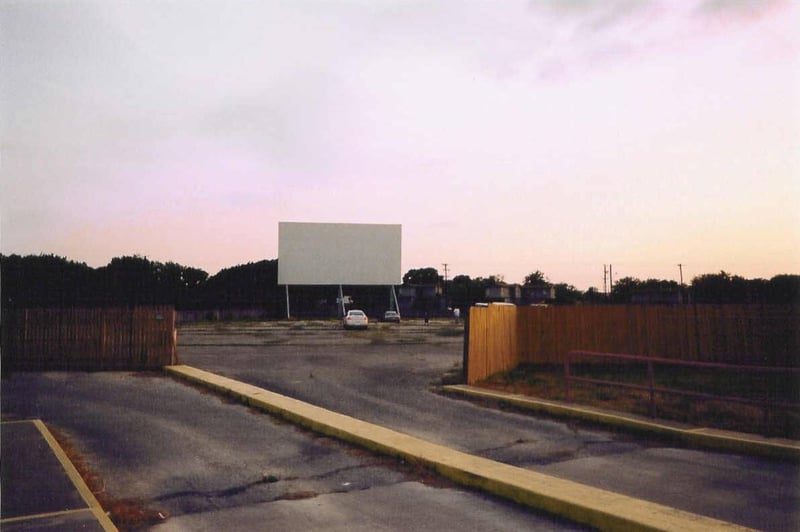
(605, 280)
(610, 279)
(445, 282)
(680, 268)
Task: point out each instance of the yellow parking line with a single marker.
(76, 479)
(45, 515)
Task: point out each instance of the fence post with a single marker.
(465, 354)
(24, 338)
(651, 383)
(566, 377)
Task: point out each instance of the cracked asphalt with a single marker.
(387, 376)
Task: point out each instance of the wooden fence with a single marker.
(503, 336)
(89, 338)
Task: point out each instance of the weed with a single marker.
(450, 332)
(548, 382)
(126, 514)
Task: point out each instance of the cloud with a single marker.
(741, 8)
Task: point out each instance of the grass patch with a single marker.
(379, 339)
(548, 382)
(126, 514)
(415, 339)
(450, 331)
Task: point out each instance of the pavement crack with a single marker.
(266, 479)
(223, 493)
(334, 472)
(518, 441)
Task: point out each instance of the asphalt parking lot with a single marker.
(387, 376)
(206, 463)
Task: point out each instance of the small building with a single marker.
(538, 294)
(520, 295)
(503, 293)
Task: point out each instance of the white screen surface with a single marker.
(331, 254)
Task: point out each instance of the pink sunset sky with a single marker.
(506, 137)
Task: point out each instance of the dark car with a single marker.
(391, 316)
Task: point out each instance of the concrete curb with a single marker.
(706, 438)
(598, 508)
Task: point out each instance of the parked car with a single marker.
(355, 319)
(391, 316)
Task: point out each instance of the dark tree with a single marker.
(251, 285)
(465, 292)
(422, 276)
(783, 289)
(593, 295)
(536, 278)
(129, 281)
(719, 287)
(44, 281)
(622, 291)
(567, 294)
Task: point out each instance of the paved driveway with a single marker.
(385, 376)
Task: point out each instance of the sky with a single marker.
(505, 137)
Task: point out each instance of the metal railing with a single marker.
(765, 404)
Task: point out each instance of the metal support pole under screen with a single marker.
(394, 300)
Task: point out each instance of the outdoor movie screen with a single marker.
(338, 253)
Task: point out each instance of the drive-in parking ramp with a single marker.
(577, 502)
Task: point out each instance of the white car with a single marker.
(355, 319)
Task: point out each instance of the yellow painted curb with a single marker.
(577, 502)
(699, 437)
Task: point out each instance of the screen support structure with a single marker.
(394, 299)
(341, 302)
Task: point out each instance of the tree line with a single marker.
(53, 281)
(710, 288)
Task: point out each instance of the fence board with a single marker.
(89, 338)
(501, 337)
(476, 366)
